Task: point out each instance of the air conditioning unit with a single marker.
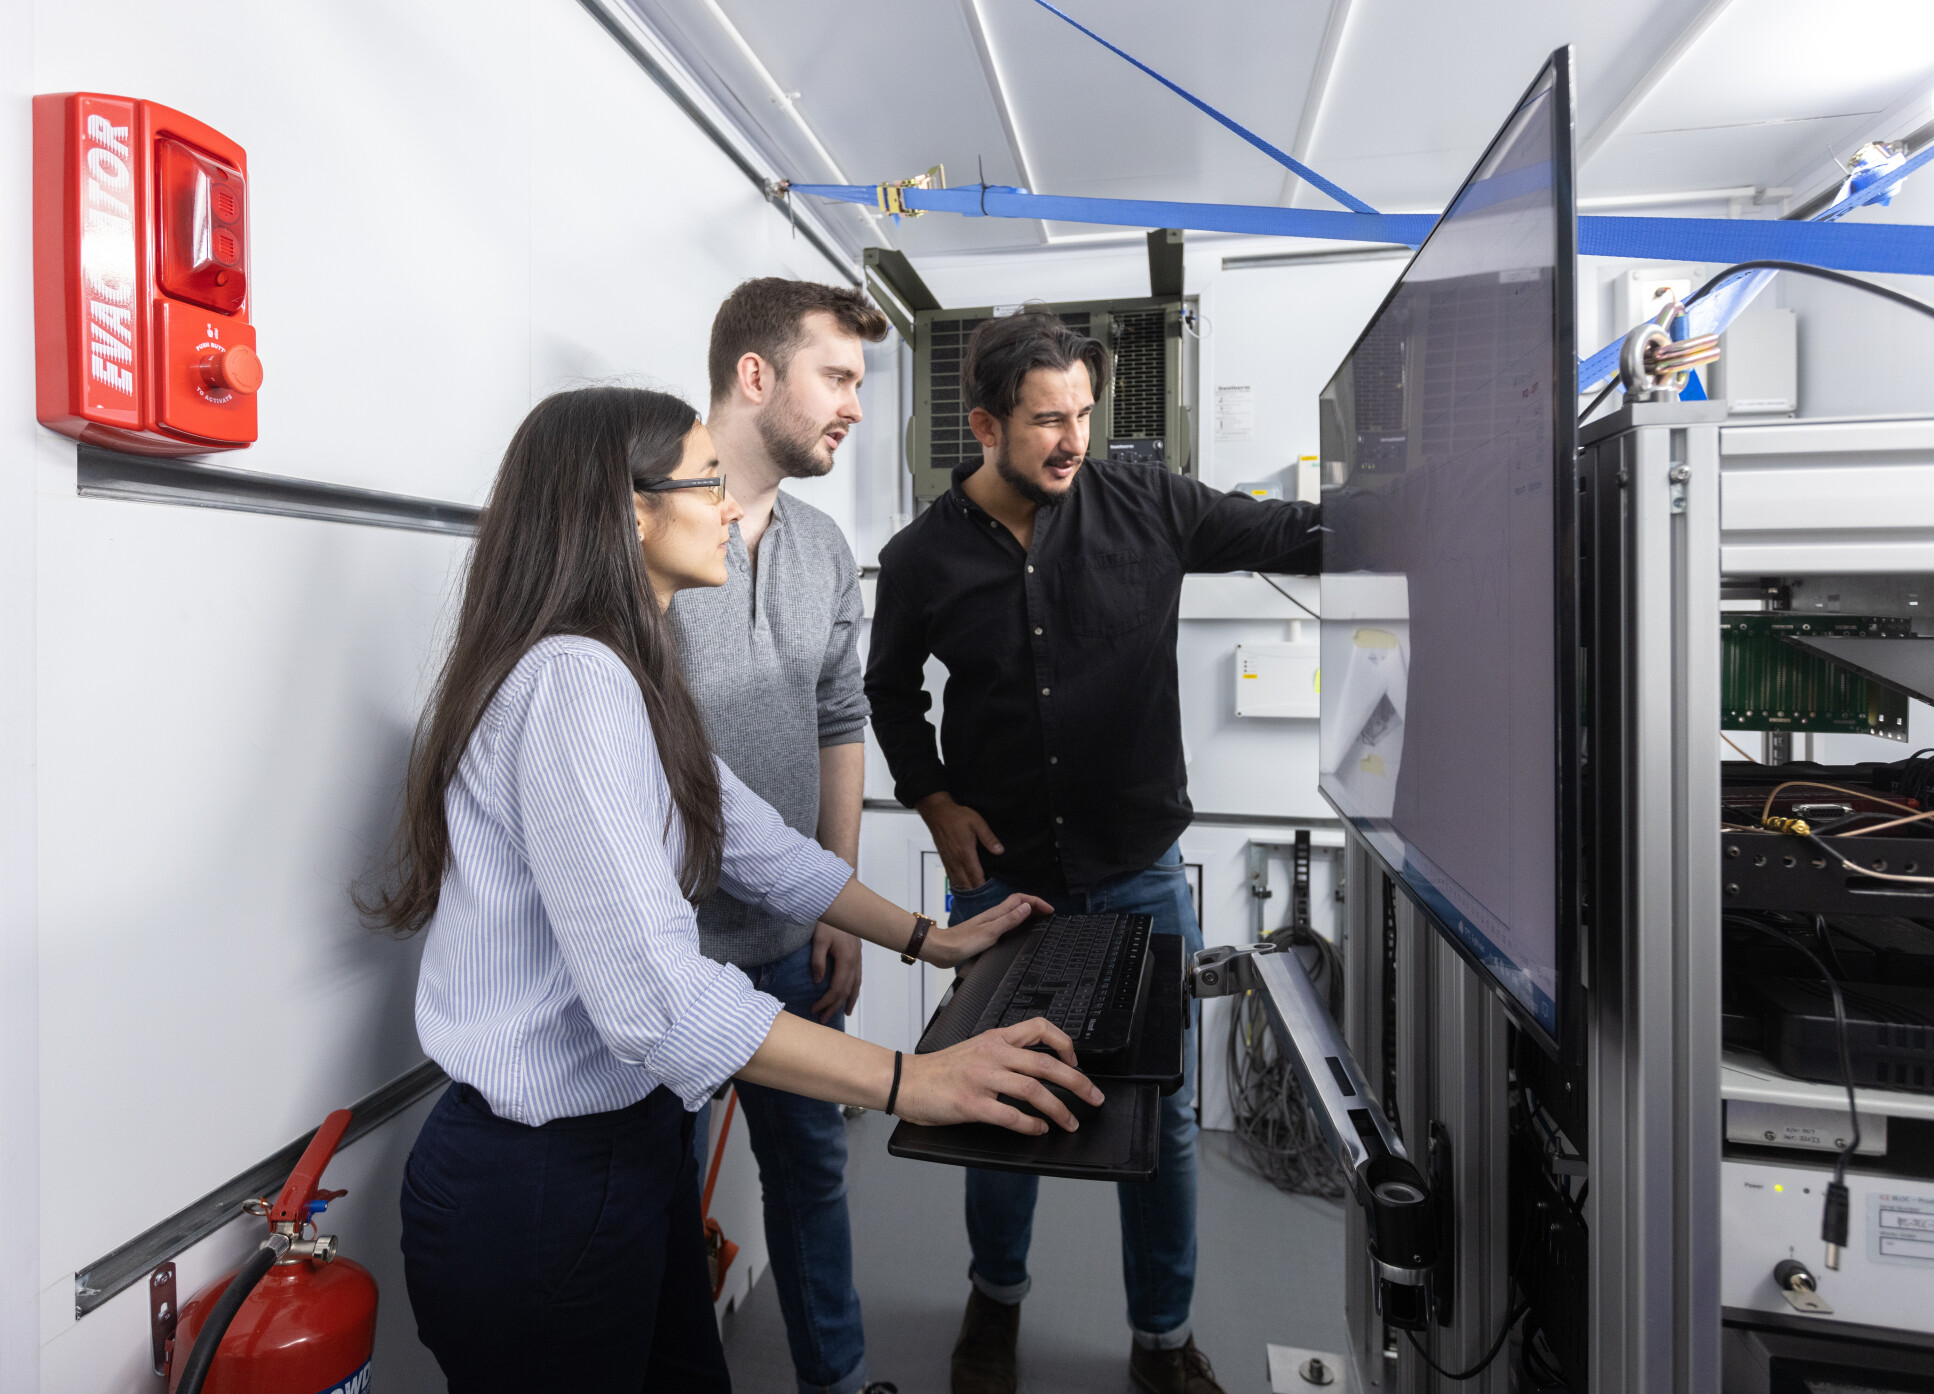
(1144, 415)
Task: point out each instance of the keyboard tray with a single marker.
(1118, 1144)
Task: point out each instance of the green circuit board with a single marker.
(1769, 684)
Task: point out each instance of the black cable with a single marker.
(1802, 269)
(1278, 1136)
(1518, 1309)
(1604, 392)
(195, 1370)
(1290, 598)
(1536, 1365)
(1834, 854)
(1825, 936)
(1833, 1219)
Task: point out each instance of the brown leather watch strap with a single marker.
(922, 924)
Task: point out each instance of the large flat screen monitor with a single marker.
(1447, 443)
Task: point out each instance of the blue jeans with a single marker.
(1158, 1216)
(800, 1145)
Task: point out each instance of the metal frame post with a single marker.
(1653, 1038)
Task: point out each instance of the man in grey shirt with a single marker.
(770, 659)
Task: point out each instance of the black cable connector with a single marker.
(1833, 1222)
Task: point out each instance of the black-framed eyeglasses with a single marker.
(716, 484)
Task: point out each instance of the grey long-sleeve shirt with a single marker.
(771, 658)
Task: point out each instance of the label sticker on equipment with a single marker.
(357, 1383)
(1902, 1228)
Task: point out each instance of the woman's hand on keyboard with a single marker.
(946, 947)
(962, 1084)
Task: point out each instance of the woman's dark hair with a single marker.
(557, 553)
(1001, 353)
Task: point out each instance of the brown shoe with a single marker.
(984, 1352)
(1184, 1370)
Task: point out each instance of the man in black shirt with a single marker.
(1050, 586)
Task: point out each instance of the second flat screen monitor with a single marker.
(1441, 437)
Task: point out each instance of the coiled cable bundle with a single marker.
(1279, 1139)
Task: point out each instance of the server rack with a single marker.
(1651, 1281)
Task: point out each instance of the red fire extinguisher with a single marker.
(293, 1319)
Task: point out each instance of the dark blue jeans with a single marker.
(565, 1258)
(1158, 1216)
(800, 1145)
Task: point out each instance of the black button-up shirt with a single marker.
(1062, 724)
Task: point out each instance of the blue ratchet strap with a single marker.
(1818, 241)
(1901, 248)
(1005, 201)
(1342, 196)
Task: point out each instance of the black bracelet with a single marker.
(893, 1094)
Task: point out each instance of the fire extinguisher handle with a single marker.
(292, 1206)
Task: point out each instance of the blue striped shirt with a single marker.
(561, 974)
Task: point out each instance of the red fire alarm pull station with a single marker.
(141, 278)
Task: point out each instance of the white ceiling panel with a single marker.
(1096, 127)
(1421, 87)
(890, 96)
(1768, 89)
(1682, 94)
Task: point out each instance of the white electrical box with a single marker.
(1278, 680)
(1760, 363)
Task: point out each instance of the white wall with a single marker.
(1859, 355)
(19, 934)
(454, 212)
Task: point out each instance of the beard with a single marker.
(1022, 485)
(792, 440)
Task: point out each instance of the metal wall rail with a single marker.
(768, 188)
(121, 1269)
(108, 474)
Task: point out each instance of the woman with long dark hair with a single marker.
(563, 814)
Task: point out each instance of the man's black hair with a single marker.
(1001, 353)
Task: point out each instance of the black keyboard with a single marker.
(1084, 973)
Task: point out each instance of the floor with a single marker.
(1271, 1270)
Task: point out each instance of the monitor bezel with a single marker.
(1568, 717)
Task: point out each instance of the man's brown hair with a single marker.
(766, 316)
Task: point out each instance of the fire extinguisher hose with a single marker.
(209, 1338)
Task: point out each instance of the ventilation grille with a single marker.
(949, 441)
(1141, 392)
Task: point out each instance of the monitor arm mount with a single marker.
(1394, 1195)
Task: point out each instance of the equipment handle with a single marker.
(292, 1206)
